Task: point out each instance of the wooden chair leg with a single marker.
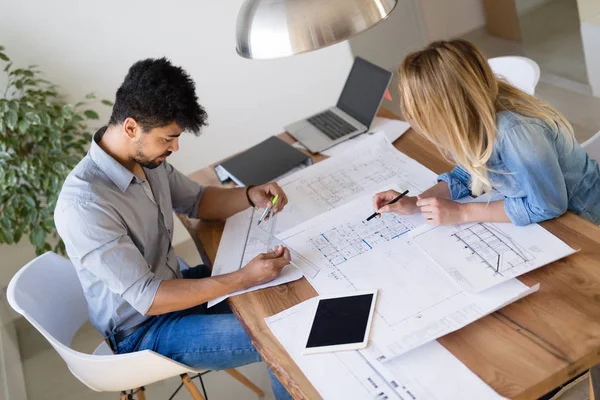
(235, 374)
(189, 385)
(141, 394)
(595, 382)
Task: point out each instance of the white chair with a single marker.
(521, 72)
(48, 294)
(592, 146)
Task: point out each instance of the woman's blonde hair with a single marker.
(451, 96)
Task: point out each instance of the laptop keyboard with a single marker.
(331, 125)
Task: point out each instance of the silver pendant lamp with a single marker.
(269, 29)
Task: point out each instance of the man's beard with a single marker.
(141, 159)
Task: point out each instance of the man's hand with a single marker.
(441, 211)
(262, 196)
(404, 206)
(265, 267)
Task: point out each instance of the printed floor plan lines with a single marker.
(346, 241)
(496, 250)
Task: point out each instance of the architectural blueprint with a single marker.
(417, 301)
(485, 254)
(427, 373)
(311, 191)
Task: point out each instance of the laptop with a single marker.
(353, 114)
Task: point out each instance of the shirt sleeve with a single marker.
(458, 181)
(96, 239)
(185, 193)
(529, 154)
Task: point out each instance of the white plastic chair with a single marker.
(521, 72)
(592, 146)
(48, 294)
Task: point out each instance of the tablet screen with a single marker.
(340, 321)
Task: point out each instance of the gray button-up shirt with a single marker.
(119, 239)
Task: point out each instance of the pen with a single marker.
(391, 202)
(268, 209)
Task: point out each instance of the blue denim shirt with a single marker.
(540, 172)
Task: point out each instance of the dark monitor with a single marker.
(364, 91)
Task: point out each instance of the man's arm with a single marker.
(179, 294)
(221, 203)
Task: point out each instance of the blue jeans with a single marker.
(198, 337)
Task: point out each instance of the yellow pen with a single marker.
(268, 209)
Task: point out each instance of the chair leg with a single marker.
(189, 385)
(125, 396)
(235, 374)
(141, 394)
(595, 382)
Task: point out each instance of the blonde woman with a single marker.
(499, 137)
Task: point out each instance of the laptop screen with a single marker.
(363, 91)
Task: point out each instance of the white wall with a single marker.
(589, 13)
(88, 46)
(524, 6)
(448, 19)
(589, 10)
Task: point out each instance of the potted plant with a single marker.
(41, 139)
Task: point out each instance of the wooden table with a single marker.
(522, 351)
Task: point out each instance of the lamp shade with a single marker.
(279, 28)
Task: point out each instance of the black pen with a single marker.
(401, 195)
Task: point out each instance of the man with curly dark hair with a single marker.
(115, 216)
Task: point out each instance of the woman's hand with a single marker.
(405, 206)
(441, 211)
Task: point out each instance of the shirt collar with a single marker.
(121, 176)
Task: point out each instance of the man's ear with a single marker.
(131, 128)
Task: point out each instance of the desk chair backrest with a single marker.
(48, 294)
(521, 72)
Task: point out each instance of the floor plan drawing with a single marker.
(493, 247)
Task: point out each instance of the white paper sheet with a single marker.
(427, 373)
(417, 301)
(317, 189)
(241, 241)
(481, 255)
(362, 170)
(392, 128)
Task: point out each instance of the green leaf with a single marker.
(27, 73)
(11, 178)
(29, 201)
(7, 67)
(38, 237)
(7, 236)
(44, 118)
(23, 125)
(13, 105)
(11, 119)
(91, 114)
(2, 127)
(18, 234)
(5, 222)
(90, 96)
(4, 57)
(108, 103)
